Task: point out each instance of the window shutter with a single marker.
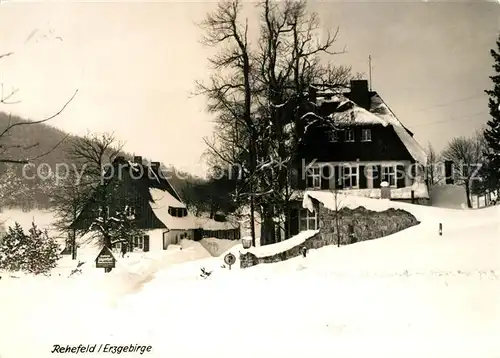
(309, 181)
(301, 182)
(325, 177)
(146, 243)
(294, 222)
(400, 176)
(362, 177)
(377, 171)
(335, 176)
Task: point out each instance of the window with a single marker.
(307, 220)
(129, 210)
(350, 176)
(366, 135)
(349, 135)
(139, 242)
(333, 136)
(177, 212)
(100, 211)
(314, 177)
(389, 175)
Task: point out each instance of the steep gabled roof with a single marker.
(382, 110)
(345, 112)
(161, 201)
(147, 176)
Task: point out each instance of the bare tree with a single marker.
(7, 98)
(433, 172)
(288, 65)
(230, 91)
(467, 155)
(260, 107)
(92, 154)
(338, 218)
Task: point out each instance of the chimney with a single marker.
(155, 165)
(360, 93)
(119, 159)
(138, 159)
(448, 172)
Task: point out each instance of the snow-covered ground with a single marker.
(411, 294)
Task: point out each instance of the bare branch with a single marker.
(6, 130)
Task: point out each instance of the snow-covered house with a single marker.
(154, 204)
(156, 208)
(353, 143)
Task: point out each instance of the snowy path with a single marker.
(412, 294)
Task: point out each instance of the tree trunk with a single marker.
(252, 187)
(467, 192)
(73, 245)
(73, 238)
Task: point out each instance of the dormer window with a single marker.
(366, 135)
(129, 211)
(349, 135)
(177, 212)
(101, 212)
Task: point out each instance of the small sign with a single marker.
(230, 260)
(105, 259)
(246, 242)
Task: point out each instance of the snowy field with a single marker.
(411, 294)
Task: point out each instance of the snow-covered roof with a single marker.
(379, 114)
(162, 200)
(212, 225)
(356, 115)
(380, 108)
(420, 192)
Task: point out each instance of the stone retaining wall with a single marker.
(361, 224)
(354, 225)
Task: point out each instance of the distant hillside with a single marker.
(29, 141)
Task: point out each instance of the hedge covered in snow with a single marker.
(34, 252)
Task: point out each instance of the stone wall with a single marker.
(314, 242)
(361, 224)
(355, 225)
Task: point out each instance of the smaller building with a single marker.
(226, 230)
(156, 208)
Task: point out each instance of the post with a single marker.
(73, 245)
(370, 71)
(440, 229)
(304, 251)
(413, 196)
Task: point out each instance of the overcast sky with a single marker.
(135, 64)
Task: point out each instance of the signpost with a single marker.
(105, 260)
(246, 242)
(230, 260)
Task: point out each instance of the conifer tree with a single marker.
(491, 172)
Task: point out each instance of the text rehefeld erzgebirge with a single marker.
(101, 348)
